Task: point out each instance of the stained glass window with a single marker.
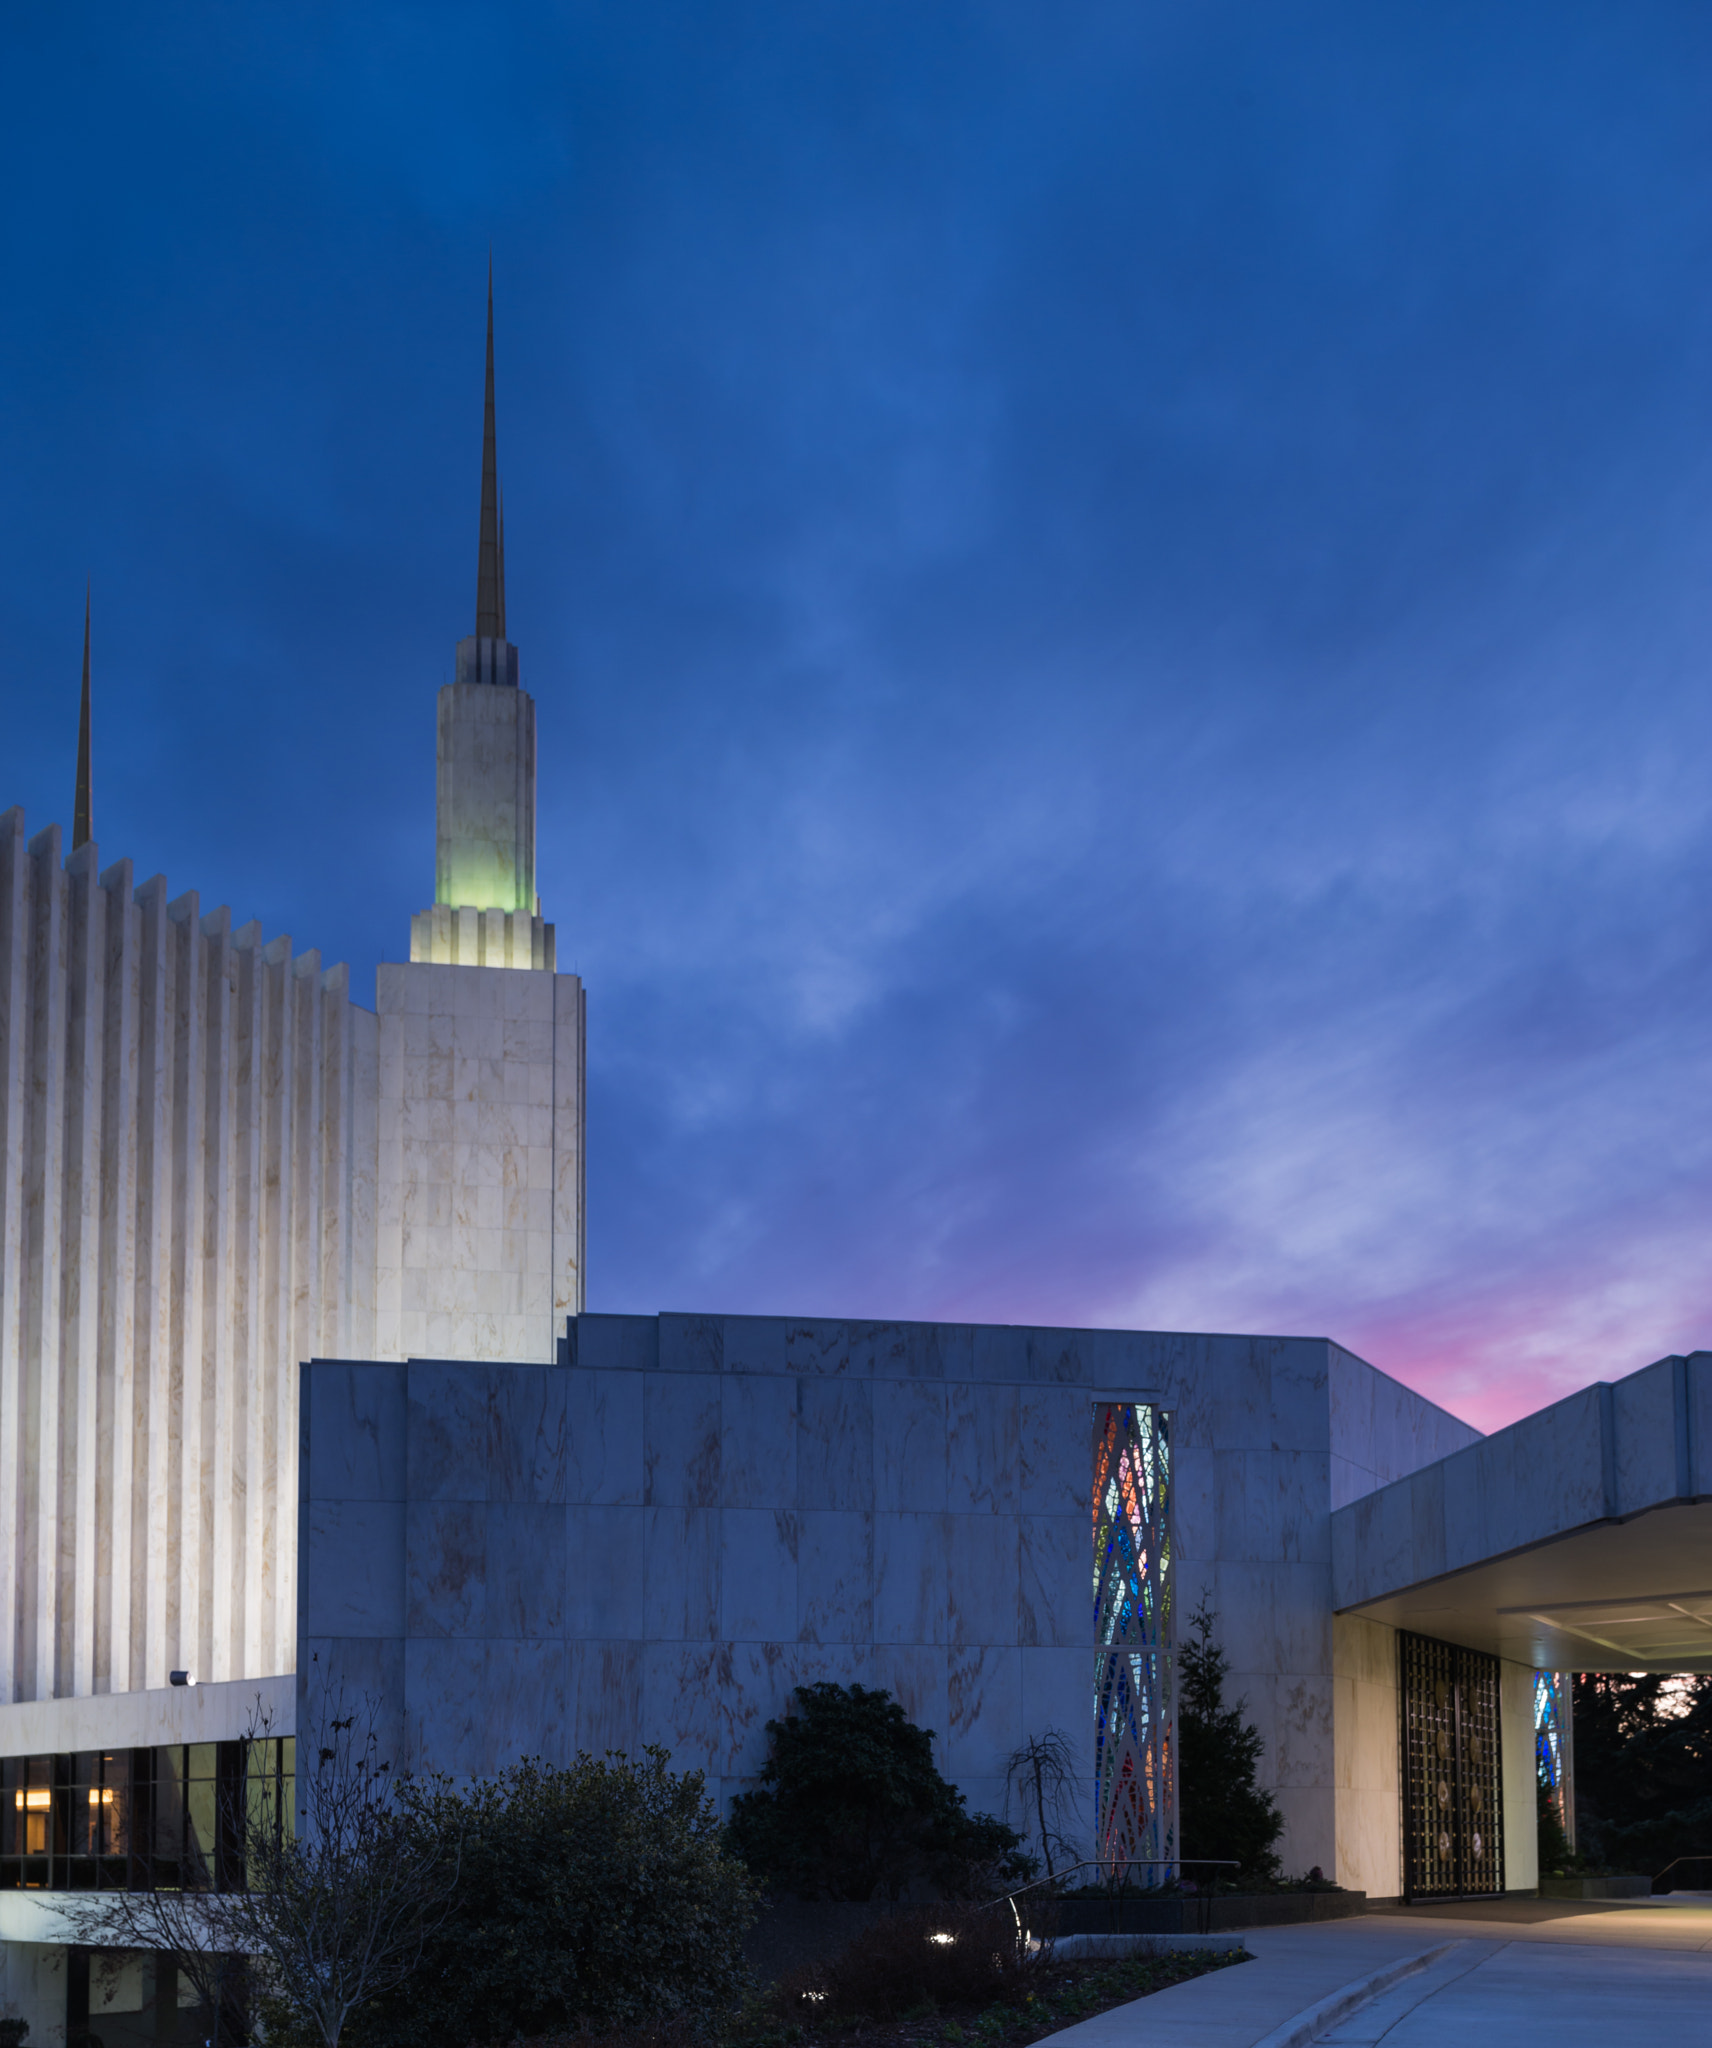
(1552, 1746)
(1135, 1733)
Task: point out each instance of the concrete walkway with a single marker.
(1508, 1974)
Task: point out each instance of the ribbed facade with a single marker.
(188, 1136)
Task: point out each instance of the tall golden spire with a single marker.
(82, 830)
(490, 559)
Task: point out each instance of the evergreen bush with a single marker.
(589, 1897)
(852, 1807)
(1221, 1812)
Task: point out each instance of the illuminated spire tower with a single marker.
(486, 912)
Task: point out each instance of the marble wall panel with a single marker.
(681, 1705)
(449, 1708)
(912, 1567)
(918, 1678)
(531, 1709)
(1302, 1730)
(1000, 1353)
(1310, 1827)
(1645, 1431)
(446, 1568)
(526, 1569)
(1055, 1571)
(835, 1578)
(1425, 1496)
(981, 1588)
(755, 1344)
(909, 1445)
(1057, 1697)
(357, 1436)
(616, 1343)
(529, 1434)
(446, 1424)
(604, 1436)
(605, 1572)
(835, 1444)
(982, 1449)
(758, 1575)
(1056, 1356)
(836, 1664)
(755, 1682)
(1516, 1736)
(1220, 1391)
(1298, 1373)
(692, 1344)
(983, 1687)
(681, 1441)
(1054, 1450)
(353, 1568)
(1700, 1421)
(680, 1593)
(335, 1673)
(758, 1440)
(1195, 1503)
(604, 1681)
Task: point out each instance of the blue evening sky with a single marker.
(1117, 597)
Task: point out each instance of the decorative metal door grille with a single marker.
(1453, 1787)
(1135, 1743)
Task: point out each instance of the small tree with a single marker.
(327, 1904)
(339, 1906)
(852, 1807)
(594, 1896)
(1222, 1813)
(1043, 1775)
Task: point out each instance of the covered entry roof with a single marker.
(1578, 1539)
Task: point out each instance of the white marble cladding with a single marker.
(446, 937)
(1611, 1451)
(484, 812)
(657, 1539)
(187, 1154)
(481, 1162)
(1382, 1430)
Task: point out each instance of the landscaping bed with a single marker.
(1207, 1913)
(1046, 1996)
(1596, 1887)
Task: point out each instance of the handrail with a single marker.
(1675, 1860)
(1100, 1863)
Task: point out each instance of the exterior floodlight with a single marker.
(181, 1677)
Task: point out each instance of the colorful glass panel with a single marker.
(1551, 1748)
(1135, 1736)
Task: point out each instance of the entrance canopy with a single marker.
(1578, 1539)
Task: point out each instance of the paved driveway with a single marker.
(1505, 1975)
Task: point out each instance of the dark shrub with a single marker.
(1221, 1812)
(853, 1808)
(593, 1897)
(938, 1955)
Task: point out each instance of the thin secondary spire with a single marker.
(502, 561)
(490, 563)
(82, 829)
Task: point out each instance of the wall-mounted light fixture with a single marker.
(181, 1677)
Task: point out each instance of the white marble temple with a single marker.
(186, 1210)
(705, 1512)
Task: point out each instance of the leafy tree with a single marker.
(592, 1897)
(1222, 1813)
(851, 1806)
(1643, 1769)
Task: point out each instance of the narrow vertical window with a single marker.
(1135, 1745)
(1552, 1745)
